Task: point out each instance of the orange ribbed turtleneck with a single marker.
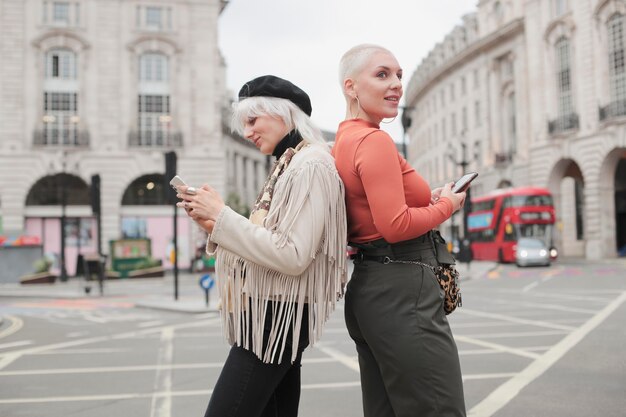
(385, 197)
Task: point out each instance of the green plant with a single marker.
(42, 265)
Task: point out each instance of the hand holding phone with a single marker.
(463, 183)
(178, 182)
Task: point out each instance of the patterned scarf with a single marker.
(264, 200)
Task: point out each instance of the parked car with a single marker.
(531, 251)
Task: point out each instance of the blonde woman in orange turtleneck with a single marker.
(394, 312)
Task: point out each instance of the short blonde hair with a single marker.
(353, 61)
(280, 108)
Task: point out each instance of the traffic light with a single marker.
(170, 171)
(95, 194)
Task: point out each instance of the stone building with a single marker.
(107, 87)
(532, 92)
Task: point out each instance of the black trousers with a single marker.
(248, 387)
(407, 356)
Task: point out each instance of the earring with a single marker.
(390, 121)
(358, 108)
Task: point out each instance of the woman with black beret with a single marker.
(281, 271)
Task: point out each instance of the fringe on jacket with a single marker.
(247, 288)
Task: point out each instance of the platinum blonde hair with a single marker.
(353, 61)
(279, 108)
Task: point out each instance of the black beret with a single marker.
(271, 86)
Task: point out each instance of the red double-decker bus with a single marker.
(500, 218)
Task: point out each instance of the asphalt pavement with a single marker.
(160, 293)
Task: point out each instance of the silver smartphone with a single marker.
(463, 183)
(178, 182)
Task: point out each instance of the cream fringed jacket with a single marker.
(297, 257)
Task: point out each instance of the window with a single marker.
(145, 191)
(61, 64)
(463, 86)
(453, 124)
(476, 79)
(154, 114)
(477, 115)
(153, 67)
(60, 100)
(443, 99)
(154, 120)
(451, 92)
(61, 12)
(464, 119)
(498, 11)
(563, 74)
(559, 7)
(154, 18)
(60, 119)
(617, 68)
(511, 122)
(443, 130)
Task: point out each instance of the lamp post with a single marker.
(406, 124)
(467, 206)
(62, 178)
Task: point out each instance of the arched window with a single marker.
(153, 68)
(60, 100)
(563, 76)
(61, 64)
(154, 113)
(617, 66)
(145, 191)
(53, 189)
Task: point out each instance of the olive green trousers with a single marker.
(407, 356)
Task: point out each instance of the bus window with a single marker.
(530, 201)
(483, 205)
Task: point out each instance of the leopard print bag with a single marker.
(445, 272)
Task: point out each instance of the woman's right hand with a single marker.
(457, 199)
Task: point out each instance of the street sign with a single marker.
(206, 282)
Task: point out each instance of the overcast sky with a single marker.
(303, 41)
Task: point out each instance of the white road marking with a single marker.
(489, 376)
(517, 320)
(162, 404)
(16, 344)
(15, 325)
(136, 368)
(510, 389)
(342, 358)
(497, 347)
(517, 334)
(8, 359)
(150, 323)
(530, 286)
(81, 351)
(204, 393)
(125, 335)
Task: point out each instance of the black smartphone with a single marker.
(462, 183)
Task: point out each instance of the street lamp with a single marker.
(464, 163)
(62, 179)
(406, 124)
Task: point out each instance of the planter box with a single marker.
(41, 278)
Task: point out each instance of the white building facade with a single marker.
(532, 93)
(108, 87)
